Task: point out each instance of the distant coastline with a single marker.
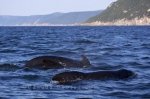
(122, 22)
(125, 22)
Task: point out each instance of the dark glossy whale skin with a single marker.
(48, 62)
(73, 76)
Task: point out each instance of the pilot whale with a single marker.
(48, 62)
(74, 76)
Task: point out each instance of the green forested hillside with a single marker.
(120, 9)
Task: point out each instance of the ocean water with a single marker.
(108, 48)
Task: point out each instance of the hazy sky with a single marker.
(40, 7)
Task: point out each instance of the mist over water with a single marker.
(108, 48)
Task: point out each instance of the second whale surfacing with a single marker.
(49, 62)
(74, 76)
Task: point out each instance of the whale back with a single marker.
(74, 76)
(110, 74)
(123, 74)
(42, 62)
(68, 77)
(56, 62)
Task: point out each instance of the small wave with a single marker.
(13, 59)
(85, 41)
(128, 45)
(24, 77)
(8, 51)
(134, 63)
(30, 77)
(9, 67)
(4, 98)
(118, 94)
(145, 58)
(110, 48)
(63, 52)
(146, 45)
(105, 67)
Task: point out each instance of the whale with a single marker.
(74, 76)
(49, 62)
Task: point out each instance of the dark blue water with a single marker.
(108, 48)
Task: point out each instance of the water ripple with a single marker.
(108, 48)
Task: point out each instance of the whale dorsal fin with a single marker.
(85, 60)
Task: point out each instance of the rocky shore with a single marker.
(125, 22)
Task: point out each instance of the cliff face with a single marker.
(124, 9)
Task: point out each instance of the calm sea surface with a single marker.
(108, 48)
